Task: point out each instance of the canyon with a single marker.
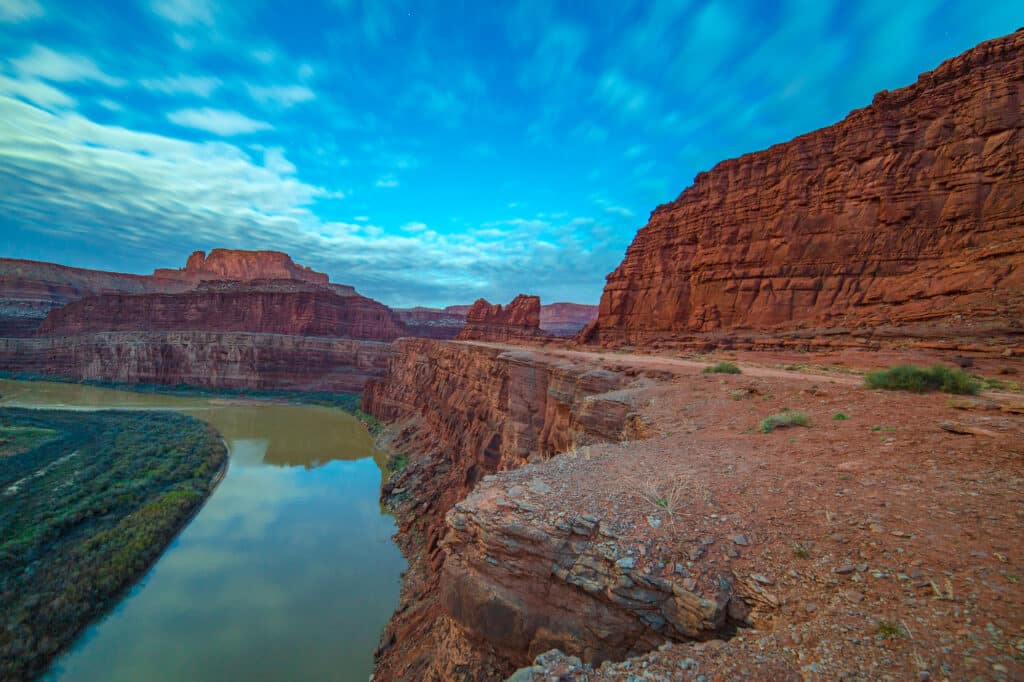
(606, 507)
(612, 509)
(909, 214)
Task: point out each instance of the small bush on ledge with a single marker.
(783, 420)
(723, 367)
(920, 380)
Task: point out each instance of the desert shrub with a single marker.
(783, 420)
(723, 367)
(920, 380)
(840, 416)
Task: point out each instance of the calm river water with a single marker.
(287, 573)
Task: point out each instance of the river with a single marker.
(287, 573)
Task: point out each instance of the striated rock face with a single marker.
(268, 307)
(215, 359)
(31, 289)
(908, 212)
(431, 323)
(461, 412)
(566, 319)
(242, 266)
(518, 321)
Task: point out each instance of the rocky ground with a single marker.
(882, 545)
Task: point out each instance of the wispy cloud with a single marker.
(281, 95)
(200, 86)
(46, 64)
(185, 12)
(387, 181)
(35, 91)
(17, 11)
(217, 121)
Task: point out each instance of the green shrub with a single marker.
(840, 416)
(783, 420)
(723, 367)
(919, 380)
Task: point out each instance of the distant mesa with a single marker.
(244, 266)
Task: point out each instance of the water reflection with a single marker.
(287, 573)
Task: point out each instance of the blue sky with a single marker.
(425, 152)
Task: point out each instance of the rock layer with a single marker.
(518, 321)
(266, 307)
(566, 319)
(30, 289)
(431, 323)
(907, 212)
(215, 359)
(462, 412)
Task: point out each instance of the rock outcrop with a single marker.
(265, 307)
(566, 319)
(909, 212)
(214, 359)
(241, 266)
(518, 321)
(462, 412)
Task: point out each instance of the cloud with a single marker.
(281, 95)
(413, 227)
(619, 211)
(200, 86)
(387, 181)
(185, 12)
(35, 91)
(17, 11)
(274, 161)
(217, 121)
(623, 94)
(46, 64)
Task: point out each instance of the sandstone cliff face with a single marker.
(908, 212)
(461, 412)
(30, 289)
(228, 359)
(270, 307)
(566, 319)
(518, 321)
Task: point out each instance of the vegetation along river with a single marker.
(287, 572)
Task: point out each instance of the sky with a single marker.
(428, 153)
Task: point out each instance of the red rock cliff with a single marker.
(273, 307)
(31, 289)
(908, 212)
(239, 265)
(518, 321)
(215, 359)
(465, 411)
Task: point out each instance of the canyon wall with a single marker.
(266, 307)
(214, 359)
(30, 289)
(566, 319)
(518, 321)
(460, 412)
(908, 213)
(431, 323)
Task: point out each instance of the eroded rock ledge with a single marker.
(498, 577)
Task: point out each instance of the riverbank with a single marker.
(86, 513)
